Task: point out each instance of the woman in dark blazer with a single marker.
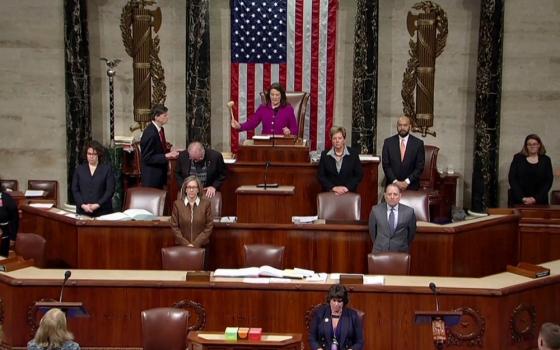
(340, 169)
(93, 183)
(530, 173)
(335, 323)
(9, 222)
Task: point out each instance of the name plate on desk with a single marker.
(529, 270)
(351, 278)
(198, 276)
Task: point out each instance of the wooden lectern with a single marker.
(275, 149)
(217, 341)
(440, 320)
(265, 205)
(70, 308)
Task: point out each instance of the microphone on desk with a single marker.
(67, 275)
(266, 185)
(434, 290)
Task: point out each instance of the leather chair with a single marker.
(216, 203)
(151, 199)
(31, 246)
(418, 200)
(182, 258)
(164, 328)
(555, 197)
(263, 254)
(389, 263)
(11, 185)
(49, 186)
(430, 174)
(299, 101)
(344, 207)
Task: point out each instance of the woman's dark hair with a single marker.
(525, 151)
(277, 87)
(338, 291)
(98, 148)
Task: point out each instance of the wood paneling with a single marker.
(539, 233)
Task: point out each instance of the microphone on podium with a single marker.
(266, 185)
(67, 275)
(434, 290)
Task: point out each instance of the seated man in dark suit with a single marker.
(204, 163)
(392, 225)
(154, 149)
(402, 157)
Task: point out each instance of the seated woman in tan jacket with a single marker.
(191, 218)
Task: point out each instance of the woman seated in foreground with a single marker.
(52, 333)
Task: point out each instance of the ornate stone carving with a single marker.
(137, 26)
(470, 330)
(419, 75)
(194, 309)
(523, 323)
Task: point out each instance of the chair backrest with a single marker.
(216, 203)
(417, 200)
(49, 186)
(299, 101)
(164, 328)
(182, 258)
(341, 207)
(31, 246)
(555, 197)
(8, 184)
(263, 254)
(430, 173)
(148, 198)
(389, 263)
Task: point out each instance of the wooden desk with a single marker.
(274, 205)
(279, 153)
(215, 341)
(475, 248)
(115, 300)
(539, 233)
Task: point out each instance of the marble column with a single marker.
(198, 72)
(78, 108)
(364, 95)
(487, 109)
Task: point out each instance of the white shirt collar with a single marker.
(156, 125)
(404, 138)
(196, 202)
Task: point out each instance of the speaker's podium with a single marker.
(217, 341)
(440, 320)
(260, 204)
(274, 148)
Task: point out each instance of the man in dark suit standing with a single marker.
(204, 163)
(402, 157)
(392, 225)
(154, 149)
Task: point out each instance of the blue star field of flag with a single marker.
(258, 31)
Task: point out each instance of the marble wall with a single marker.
(32, 117)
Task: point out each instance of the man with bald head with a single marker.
(549, 337)
(402, 157)
(204, 163)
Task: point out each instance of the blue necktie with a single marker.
(392, 220)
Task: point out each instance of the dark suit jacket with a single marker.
(527, 180)
(215, 168)
(154, 163)
(382, 237)
(98, 188)
(321, 331)
(350, 172)
(412, 165)
(10, 217)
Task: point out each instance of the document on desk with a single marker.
(34, 193)
(374, 280)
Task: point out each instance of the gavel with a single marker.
(230, 105)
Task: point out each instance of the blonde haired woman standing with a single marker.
(53, 334)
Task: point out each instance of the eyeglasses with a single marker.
(192, 188)
(91, 154)
(533, 144)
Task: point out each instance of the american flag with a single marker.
(288, 41)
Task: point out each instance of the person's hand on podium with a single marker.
(235, 124)
(338, 190)
(286, 131)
